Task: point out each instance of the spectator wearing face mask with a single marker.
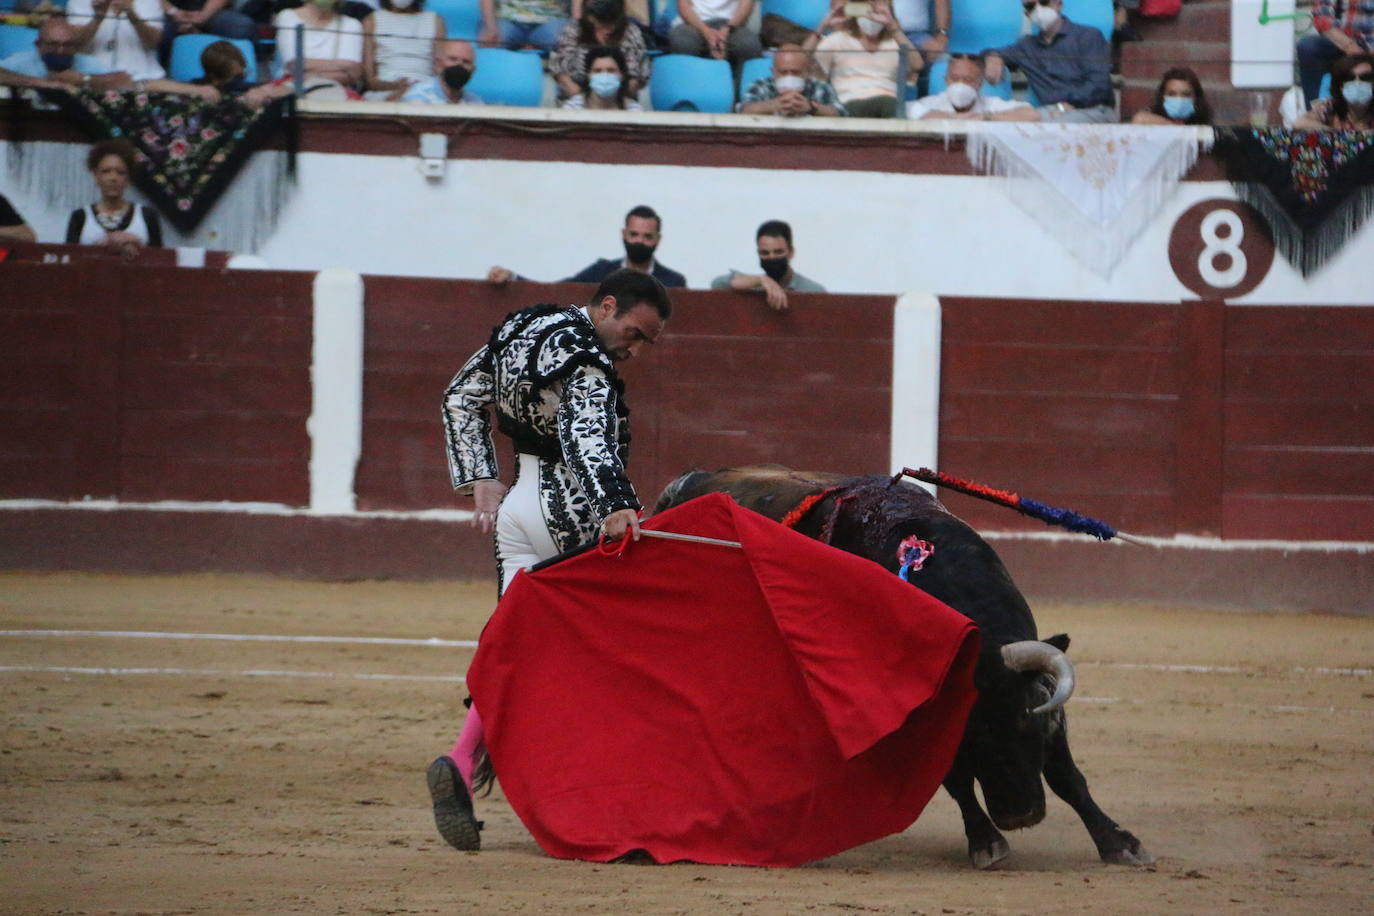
(1350, 107)
(1179, 99)
(1343, 28)
(963, 99)
(774, 241)
(607, 88)
(603, 24)
(641, 236)
(1068, 65)
(332, 46)
(53, 63)
(863, 58)
(789, 92)
(454, 63)
(226, 73)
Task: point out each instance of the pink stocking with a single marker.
(465, 752)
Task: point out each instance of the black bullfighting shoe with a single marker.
(453, 813)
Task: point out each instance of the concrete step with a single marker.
(1210, 60)
(1230, 107)
(1203, 20)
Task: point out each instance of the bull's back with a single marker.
(768, 489)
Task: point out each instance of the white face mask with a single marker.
(790, 83)
(870, 27)
(961, 96)
(1044, 17)
(402, 5)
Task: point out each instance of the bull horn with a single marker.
(1033, 655)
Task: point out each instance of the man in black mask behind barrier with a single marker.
(641, 235)
(774, 240)
(454, 63)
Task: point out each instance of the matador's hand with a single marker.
(620, 522)
(488, 495)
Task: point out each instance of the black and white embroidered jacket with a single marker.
(557, 395)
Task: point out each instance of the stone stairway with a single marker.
(1198, 37)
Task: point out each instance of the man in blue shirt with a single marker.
(52, 63)
(1069, 66)
(641, 235)
(454, 63)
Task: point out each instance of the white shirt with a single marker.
(715, 9)
(985, 104)
(342, 39)
(116, 43)
(405, 44)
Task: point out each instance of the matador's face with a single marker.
(624, 335)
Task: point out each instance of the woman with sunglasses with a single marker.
(1179, 99)
(1349, 108)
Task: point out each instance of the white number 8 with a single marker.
(1214, 245)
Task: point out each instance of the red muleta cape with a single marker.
(766, 706)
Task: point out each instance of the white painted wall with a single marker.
(855, 231)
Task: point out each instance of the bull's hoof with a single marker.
(988, 856)
(1127, 851)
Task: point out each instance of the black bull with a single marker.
(1017, 730)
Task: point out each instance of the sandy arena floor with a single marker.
(299, 789)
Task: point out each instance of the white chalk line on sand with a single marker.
(432, 641)
(456, 679)
(217, 672)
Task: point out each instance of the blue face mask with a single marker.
(604, 84)
(1178, 107)
(57, 62)
(1357, 92)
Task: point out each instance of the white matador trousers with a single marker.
(522, 534)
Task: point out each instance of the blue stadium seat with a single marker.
(681, 82)
(462, 18)
(16, 38)
(978, 24)
(508, 78)
(1000, 90)
(808, 13)
(186, 51)
(1096, 13)
(753, 71)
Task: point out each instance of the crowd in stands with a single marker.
(875, 59)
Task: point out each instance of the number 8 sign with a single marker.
(1221, 249)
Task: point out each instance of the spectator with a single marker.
(212, 17)
(963, 99)
(602, 25)
(1349, 108)
(52, 63)
(914, 17)
(12, 225)
(398, 47)
(333, 45)
(863, 57)
(120, 34)
(642, 233)
(790, 91)
(774, 240)
(1179, 99)
(516, 23)
(112, 220)
(715, 28)
(1068, 66)
(454, 63)
(1343, 29)
(606, 86)
(226, 72)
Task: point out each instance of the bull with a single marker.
(1017, 732)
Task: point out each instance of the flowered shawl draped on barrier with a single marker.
(1092, 187)
(189, 153)
(1315, 188)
